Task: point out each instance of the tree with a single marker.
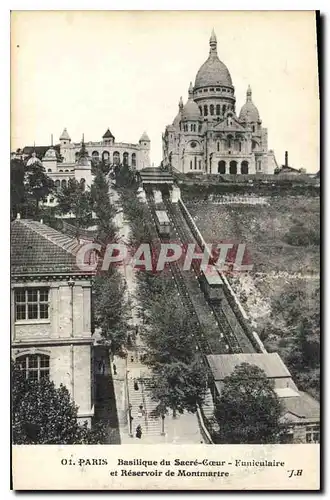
(44, 414)
(29, 185)
(124, 176)
(37, 183)
(110, 308)
(76, 200)
(104, 210)
(248, 410)
(178, 387)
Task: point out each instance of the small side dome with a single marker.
(249, 112)
(191, 111)
(50, 154)
(33, 160)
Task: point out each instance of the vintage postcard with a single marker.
(165, 250)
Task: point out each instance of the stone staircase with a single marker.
(208, 405)
(138, 373)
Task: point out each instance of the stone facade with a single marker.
(208, 137)
(51, 314)
(65, 162)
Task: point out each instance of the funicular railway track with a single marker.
(203, 345)
(219, 310)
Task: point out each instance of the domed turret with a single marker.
(50, 154)
(33, 160)
(213, 71)
(191, 110)
(249, 112)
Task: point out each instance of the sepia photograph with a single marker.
(165, 249)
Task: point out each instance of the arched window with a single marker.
(199, 164)
(125, 159)
(205, 110)
(49, 170)
(95, 156)
(212, 110)
(253, 128)
(190, 164)
(191, 127)
(57, 184)
(195, 163)
(83, 184)
(233, 167)
(239, 146)
(133, 159)
(76, 155)
(34, 366)
(218, 146)
(229, 141)
(66, 170)
(105, 156)
(63, 184)
(221, 167)
(116, 158)
(218, 109)
(244, 167)
(223, 109)
(60, 170)
(201, 110)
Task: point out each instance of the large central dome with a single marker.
(213, 71)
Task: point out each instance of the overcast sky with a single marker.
(88, 71)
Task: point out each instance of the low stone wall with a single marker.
(240, 314)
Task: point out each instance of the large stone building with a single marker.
(51, 311)
(208, 136)
(66, 161)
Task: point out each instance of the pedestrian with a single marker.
(138, 432)
(114, 369)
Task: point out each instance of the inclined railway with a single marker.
(169, 219)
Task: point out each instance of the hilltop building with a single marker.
(207, 136)
(69, 159)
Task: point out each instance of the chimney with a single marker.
(286, 159)
(18, 216)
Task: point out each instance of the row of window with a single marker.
(233, 167)
(64, 183)
(106, 157)
(230, 143)
(215, 109)
(216, 89)
(50, 170)
(195, 164)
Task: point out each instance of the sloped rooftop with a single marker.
(223, 365)
(38, 249)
